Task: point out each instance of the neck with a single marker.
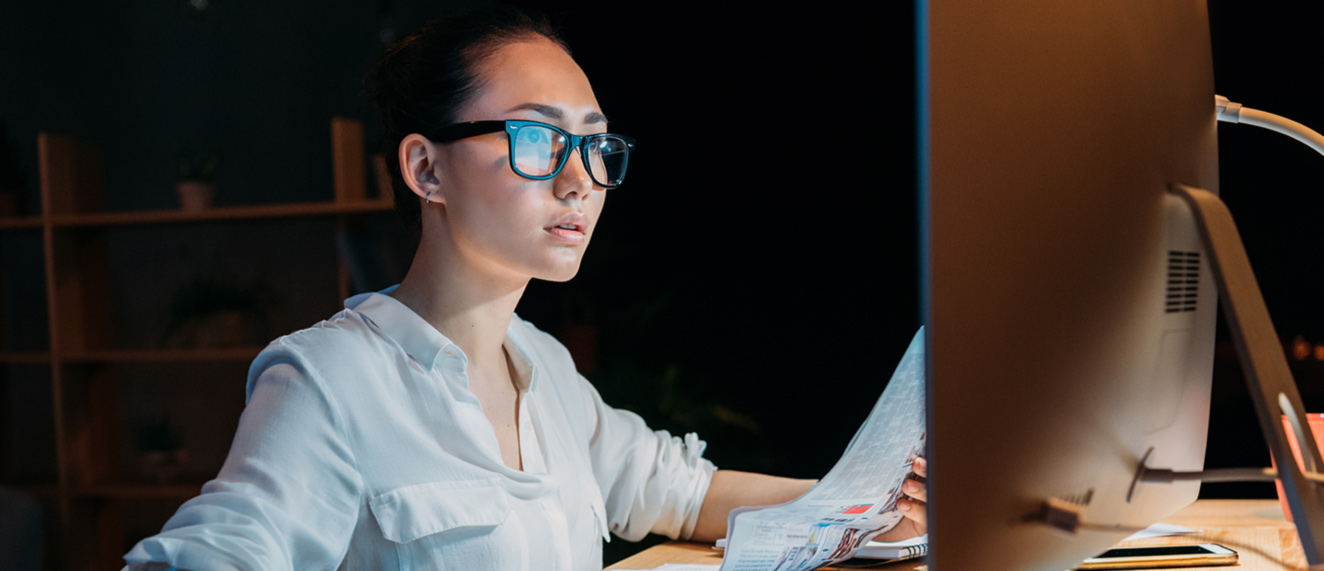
(470, 307)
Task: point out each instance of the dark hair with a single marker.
(424, 80)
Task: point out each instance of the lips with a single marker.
(571, 228)
(573, 221)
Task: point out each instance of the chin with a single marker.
(558, 268)
(559, 273)
(560, 276)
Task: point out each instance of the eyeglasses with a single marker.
(539, 151)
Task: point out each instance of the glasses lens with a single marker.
(538, 150)
(607, 158)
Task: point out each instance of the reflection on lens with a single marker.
(607, 159)
(538, 150)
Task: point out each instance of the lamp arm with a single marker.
(1232, 112)
(1158, 475)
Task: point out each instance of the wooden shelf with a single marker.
(140, 491)
(163, 355)
(26, 357)
(226, 213)
(76, 231)
(39, 489)
(20, 223)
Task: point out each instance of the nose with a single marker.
(573, 180)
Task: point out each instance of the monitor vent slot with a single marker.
(1183, 281)
(1081, 498)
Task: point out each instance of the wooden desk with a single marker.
(1256, 529)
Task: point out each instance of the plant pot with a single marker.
(161, 466)
(195, 195)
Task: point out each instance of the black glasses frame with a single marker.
(452, 133)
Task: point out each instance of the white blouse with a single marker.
(361, 447)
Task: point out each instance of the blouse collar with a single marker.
(423, 343)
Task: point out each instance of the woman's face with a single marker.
(500, 223)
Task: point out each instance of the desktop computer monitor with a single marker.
(1069, 302)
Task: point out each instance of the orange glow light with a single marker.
(1301, 348)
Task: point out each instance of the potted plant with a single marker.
(210, 313)
(161, 455)
(197, 182)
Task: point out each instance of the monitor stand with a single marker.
(1264, 365)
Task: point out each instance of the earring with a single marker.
(428, 197)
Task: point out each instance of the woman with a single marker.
(426, 427)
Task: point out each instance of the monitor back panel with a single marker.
(1050, 132)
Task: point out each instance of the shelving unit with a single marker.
(19, 223)
(31, 357)
(96, 507)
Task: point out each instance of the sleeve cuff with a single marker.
(703, 476)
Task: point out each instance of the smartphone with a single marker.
(1159, 556)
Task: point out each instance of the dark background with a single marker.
(757, 277)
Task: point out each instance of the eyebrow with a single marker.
(555, 112)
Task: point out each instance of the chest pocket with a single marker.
(412, 512)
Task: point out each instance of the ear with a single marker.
(419, 160)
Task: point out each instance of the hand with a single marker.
(914, 520)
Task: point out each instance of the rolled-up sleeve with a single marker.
(651, 481)
(289, 493)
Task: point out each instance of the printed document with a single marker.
(856, 501)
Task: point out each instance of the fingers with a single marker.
(917, 494)
(915, 490)
(913, 506)
(914, 511)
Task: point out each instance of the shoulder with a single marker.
(345, 343)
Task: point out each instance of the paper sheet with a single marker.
(855, 501)
(679, 567)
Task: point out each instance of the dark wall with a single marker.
(1263, 59)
